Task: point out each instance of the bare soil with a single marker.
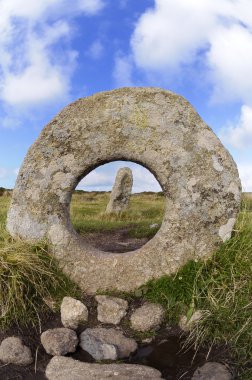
(118, 240)
(165, 352)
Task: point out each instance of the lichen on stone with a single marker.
(150, 126)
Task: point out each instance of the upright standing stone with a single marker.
(120, 195)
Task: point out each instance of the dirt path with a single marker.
(114, 241)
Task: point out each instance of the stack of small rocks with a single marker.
(102, 343)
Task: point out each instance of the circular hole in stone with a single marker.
(115, 222)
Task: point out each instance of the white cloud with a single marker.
(123, 71)
(103, 178)
(240, 135)
(33, 69)
(95, 178)
(36, 78)
(34, 10)
(245, 171)
(211, 39)
(16, 171)
(90, 6)
(215, 33)
(230, 59)
(96, 50)
(38, 83)
(10, 122)
(144, 180)
(170, 33)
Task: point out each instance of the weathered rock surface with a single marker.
(212, 371)
(121, 191)
(60, 368)
(186, 324)
(155, 128)
(104, 343)
(13, 351)
(111, 309)
(73, 313)
(59, 341)
(147, 317)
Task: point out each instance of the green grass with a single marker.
(88, 214)
(29, 277)
(4, 205)
(247, 201)
(221, 287)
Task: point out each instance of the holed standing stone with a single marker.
(155, 128)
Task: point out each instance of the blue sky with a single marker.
(54, 51)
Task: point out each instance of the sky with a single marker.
(55, 51)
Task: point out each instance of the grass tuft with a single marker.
(221, 287)
(28, 276)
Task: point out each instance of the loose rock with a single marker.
(73, 313)
(13, 351)
(111, 309)
(186, 325)
(104, 343)
(212, 371)
(59, 341)
(60, 368)
(120, 194)
(147, 317)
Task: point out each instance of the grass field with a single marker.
(220, 287)
(87, 213)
